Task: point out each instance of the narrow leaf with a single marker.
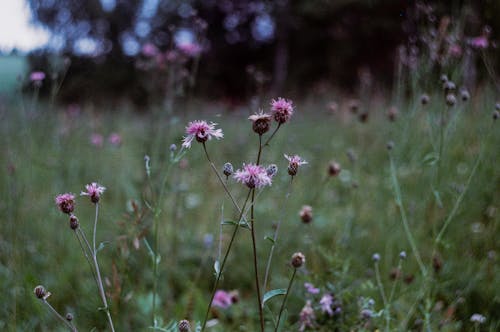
(272, 293)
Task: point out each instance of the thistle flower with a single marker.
(37, 76)
(298, 259)
(227, 170)
(184, 326)
(282, 110)
(40, 292)
(310, 288)
(253, 176)
(202, 131)
(260, 122)
(334, 168)
(477, 318)
(222, 299)
(96, 140)
(115, 139)
(94, 191)
(306, 214)
(326, 304)
(66, 202)
(293, 164)
(307, 317)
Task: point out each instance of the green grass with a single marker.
(10, 67)
(45, 152)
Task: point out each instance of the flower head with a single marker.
(260, 122)
(37, 76)
(222, 299)
(326, 304)
(477, 318)
(282, 110)
(184, 326)
(307, 317)
(66, 202)
(94, 191)
(298, 259)
(115, 139)
(480, 42)
(96, 140)
(310, 288)
(293, 164)
(253, 176)
(306, 214)
(202, 131)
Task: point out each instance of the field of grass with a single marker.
(382, 201)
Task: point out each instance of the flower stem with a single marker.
(61, 318)
(284, 299)
(256, 272)
(382, 294)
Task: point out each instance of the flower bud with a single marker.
(228, 169)
(184, 326)
(306, 214)
(451, 100)
(40, 292)
(334, 168)
(69, 316)
(464, 95)
(73, 222)
(425, 99)
(271, 170)
(298, 259)
(496, 115)
(376, 257)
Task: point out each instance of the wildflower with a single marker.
(366, 314)
(40, 292)
(310, 288)
(479, 43)
(222, 299)
(202, 131)
(172, 147)
(333, 107)
(326, 304)
(94, 191)
(37, 77)
(306, 214)
(149, 50)
(260, 122)
(253, 176)
(424, 99)
(73, 222)
(451, 100)
(282, 110)
(96, 140)
(477, 318)
(184, 326)
(307, 317)
(298, 259)
(293, 164)
(66, 202)
(376, 257)
(402, 255)
(271, 170)
(227, 169)
(115, 139)
(334, 168)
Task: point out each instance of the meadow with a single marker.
(424, 182)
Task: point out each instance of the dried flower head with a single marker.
(425, 99)
(298, 259)
(40, 292)
(73, 222)
(306, 214)
(293, 164)
(201, 131)
(281, 110)
(66, 202)
(253, 176)
(228, 169)
(184, 326)
(271, 170)
(94, 191)
(333, 168)
(451, 100)
(261, 122)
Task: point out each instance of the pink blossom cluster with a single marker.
(253, 176)
(201, 131)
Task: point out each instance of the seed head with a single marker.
(184, 326)
(451, 100)
(228, 169)
(425, 99)
(66, 202)
(73, 222)
(306, 214)
(40, 292)
(282, 110)
(261, 122)
(334, 168)
(298, 259)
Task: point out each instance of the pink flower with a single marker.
(307, 317)
(282, 110)
(310, 288)
(66, 202)
(37, 76)
(480, 42)
(97, 140)
(455, 50)
(94, 191)
(254, 176)
(326, 304)
(202, 131)
(260, 122)
(115, 139)
(293, 164)
(149, 50)
(222, 299)
(190, 49)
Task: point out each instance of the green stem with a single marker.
(284, 299)
(256, 270)
(61, 318)
(384, 299)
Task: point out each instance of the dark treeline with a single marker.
(145, 48)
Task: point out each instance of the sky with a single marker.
(16, 31)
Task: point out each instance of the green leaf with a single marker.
(272, 293)
(438, 198)
(269, 239)
(431, 158)
(283, 320)
(217, 267)
(101, 246)
(243, 224)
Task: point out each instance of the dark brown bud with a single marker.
(306, 214)
(425, 99)
(298, 259)
(184, 326)
(40, 292)
(69, 316)
(334, 168)
(73, 222)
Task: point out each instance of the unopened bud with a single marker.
(73, 222)
(228, 169)
(69, 316)
(271, 170)
(425, 99)
(184, 326)
(298, 259)
(376, 257)
(40, 292)
(451, 100)
(334, 168)
(306, 214)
